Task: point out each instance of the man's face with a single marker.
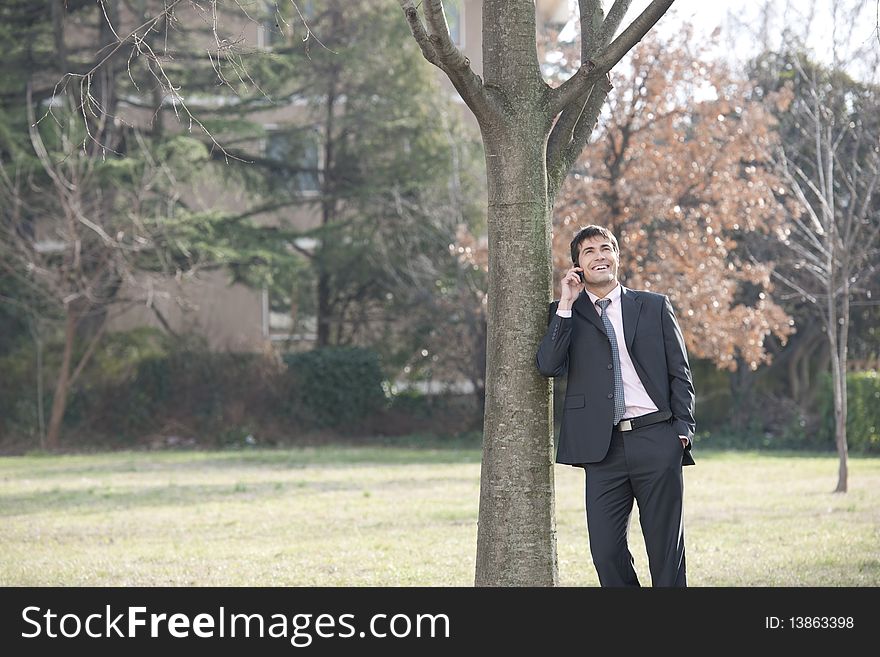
(599, 260)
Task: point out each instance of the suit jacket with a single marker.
(578, 346)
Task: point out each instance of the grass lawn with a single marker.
(399, 516)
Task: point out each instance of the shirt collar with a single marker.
(614, 295)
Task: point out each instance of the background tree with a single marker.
(77, 228)
(386, 166)
(830, 160)
(532, 134)
(388, 198)
(349, 143)
(90, 200)
(455, 319)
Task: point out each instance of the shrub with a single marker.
(334, 386)
(863, 412)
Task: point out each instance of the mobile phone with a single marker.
(581, 276)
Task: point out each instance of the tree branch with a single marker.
(439, 36)
(634, 33)
(438, 49)
(797, 288)
(419, 33)
(570, 135)
(593, 69)
(819, 227)
(612, 22)
(162, 320)
(573, 90)
(592, 19)
(93, 343)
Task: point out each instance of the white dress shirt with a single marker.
(638, 402)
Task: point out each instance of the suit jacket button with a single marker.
(611, 396)
(610, 366)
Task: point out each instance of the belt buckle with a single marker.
(625, 425)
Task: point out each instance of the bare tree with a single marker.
(833, 237)
(532, 134)
(842, 33)
(73, 239)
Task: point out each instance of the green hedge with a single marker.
(863, 412)
(334, 386)
(207, 392)
(144, 388)
(215, 391)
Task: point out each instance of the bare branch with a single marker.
(817, 259)
(592, 18)
(821, 196)
(90, 350)
(570, 134)
(438, 49)
(438, 34)
(806, 206)
(419, 33)
(222, 55)
(592, 70)
(877, 23)
(578, 86)
(797, 288)
(632, 34)
(612, 22)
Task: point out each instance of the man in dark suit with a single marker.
(628, 417)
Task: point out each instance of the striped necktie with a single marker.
(619, 401)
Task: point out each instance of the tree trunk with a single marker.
(62, 387)
(823, 363)
(838, 379)
(840, 389)
(797, 363)
(328, 203)
(323, 335)
(35, 327)
(516, 541)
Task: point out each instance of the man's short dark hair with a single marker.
(589, 232)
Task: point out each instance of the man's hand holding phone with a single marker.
(571, 286)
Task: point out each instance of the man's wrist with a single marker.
(565, 305)
(562, 311)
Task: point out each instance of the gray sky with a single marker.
(745, 25)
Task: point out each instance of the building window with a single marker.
(269, 32)
(298, 153)
(283, 321)
(454, 14)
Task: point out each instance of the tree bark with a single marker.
(35, 327)
(516, 541)
(62, 386)
(328, 204)
(840, 390)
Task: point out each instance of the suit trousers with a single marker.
(642, 465)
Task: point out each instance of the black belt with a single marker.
(642, 421)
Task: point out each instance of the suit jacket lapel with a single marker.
(631, 305)
(587, 310)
